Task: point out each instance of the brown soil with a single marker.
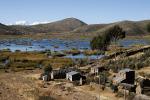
(26, 86)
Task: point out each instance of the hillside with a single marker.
(132, 28)
(76, 27)
(7, 30)
(64, 25)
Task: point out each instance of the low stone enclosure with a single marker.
(124, 80)
(128, 52)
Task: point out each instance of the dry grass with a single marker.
(31, 60)
(24, 55)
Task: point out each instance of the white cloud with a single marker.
(35, 23)
(21, 23)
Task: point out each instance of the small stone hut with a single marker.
(73, 76)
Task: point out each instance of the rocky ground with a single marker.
(26, 86)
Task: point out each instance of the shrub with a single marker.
(113, 34)
(47, 68)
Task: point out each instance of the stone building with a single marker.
(143, 86)
(73, 76)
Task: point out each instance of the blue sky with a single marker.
(89, 11)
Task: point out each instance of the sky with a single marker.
(89, 11)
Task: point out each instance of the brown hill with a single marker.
(75, 26)
(132, 28)
(89, 28)
(64, 25)
(7, 30)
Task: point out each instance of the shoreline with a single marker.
(63, 36)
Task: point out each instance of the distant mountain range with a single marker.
(73, 25)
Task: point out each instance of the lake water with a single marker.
(129, 42)
(82, 56)
(57, 45)
(40, 45)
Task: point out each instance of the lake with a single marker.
(40, 45)
(58, 45)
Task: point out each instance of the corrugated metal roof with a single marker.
(126, 70)
(62, 71)
(73, 73)
(118, 79)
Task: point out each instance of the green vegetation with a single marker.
(47, 68)
(98, 43)
(113, 34)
